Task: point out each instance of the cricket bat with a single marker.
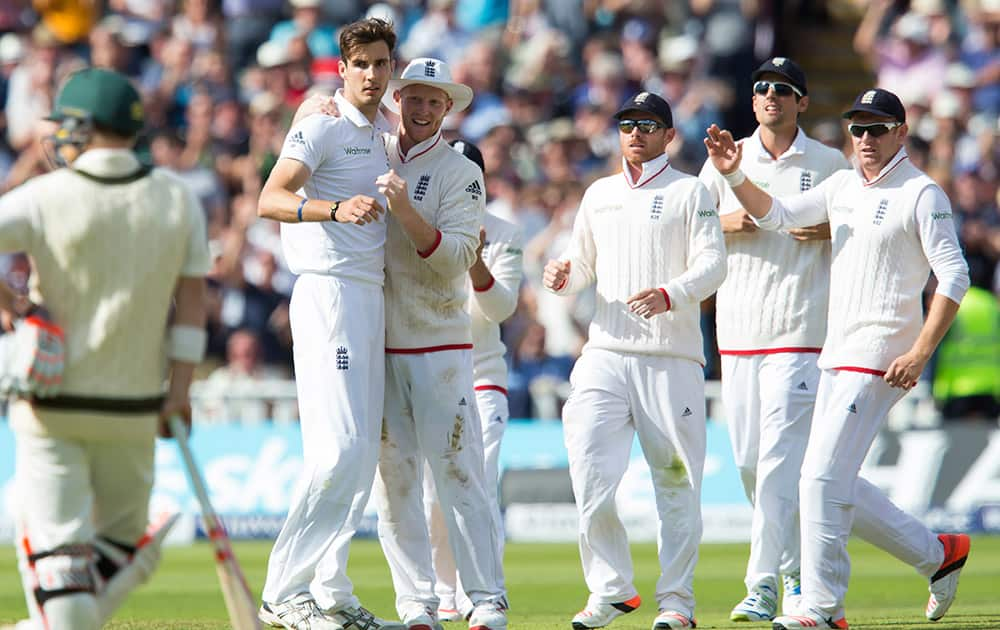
(240, 602)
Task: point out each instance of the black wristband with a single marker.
(333, 211)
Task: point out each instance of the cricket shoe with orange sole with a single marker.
(944, 583)
(808, 619)
(598, 615)
(671, 619)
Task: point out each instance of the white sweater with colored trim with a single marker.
(426, 292)
(661, 231)
(888, 235)
(493, 304)
(775, 294)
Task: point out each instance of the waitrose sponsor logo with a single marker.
(357, 151)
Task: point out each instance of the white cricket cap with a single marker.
(435, 73)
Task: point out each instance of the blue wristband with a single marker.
(301, 205)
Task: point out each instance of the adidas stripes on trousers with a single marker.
(769, 405)
(615, 397)
(851, 408)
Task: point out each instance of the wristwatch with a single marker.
(333, 211)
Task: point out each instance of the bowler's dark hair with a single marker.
(363, 32)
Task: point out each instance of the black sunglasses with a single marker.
(645, 126)
(780, 89)
(875, 130)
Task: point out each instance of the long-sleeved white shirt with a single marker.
(107, 258)
(661, 231)
(774, 298)
(888, 235)
(490, 305)
(425, 292)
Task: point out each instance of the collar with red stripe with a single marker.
(418, 149)
(650, 171)
(886, 170)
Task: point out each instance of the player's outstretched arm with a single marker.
(495, 288)
(726, 155)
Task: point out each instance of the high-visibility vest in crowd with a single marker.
(968, 361)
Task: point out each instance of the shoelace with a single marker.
(362, 616)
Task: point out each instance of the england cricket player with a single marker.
(494, 278)
(436, 200)
(113, 244)
(891, 226)
(323, 191)
(771, 320)
(650, 238)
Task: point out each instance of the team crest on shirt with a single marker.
(343, 359)
(656, 210)
(805, 181)
(421, 189)
(883, 205)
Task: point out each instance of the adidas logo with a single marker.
(687, 412)
(853, 408)
(297, 138)
(462, 402)
(475, 190)
(803, 386)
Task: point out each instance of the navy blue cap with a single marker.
(470, 151)
(786, 68)
(649, 103)
(880, 102)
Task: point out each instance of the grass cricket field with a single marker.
(546, 588)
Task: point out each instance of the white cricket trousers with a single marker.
(491, 402)
(78, 475)
(662, 399)
(851, 408)
(769, 402)
(338, 331)
(430, 414)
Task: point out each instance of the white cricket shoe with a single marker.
(417, 616)
(488, 616)
(298, 613)
(760, 604)
(944, 583)
(450, 614)
(598, 615)
(808, 619)
(791, 598)
(670, 619)
(360, 618)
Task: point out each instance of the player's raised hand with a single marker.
(723, 150)
(556, 274)
(359, 209)
(316, 104)
(482, 244)
(648, 302)
(394, 188)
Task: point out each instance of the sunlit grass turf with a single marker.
(546, 588)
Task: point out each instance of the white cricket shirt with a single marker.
(107, 258)
(888, 235)
(426, 292)
(490, 305)
(661, 231)
(774, 298)
(344, 156)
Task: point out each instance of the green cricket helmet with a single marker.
(103, 98)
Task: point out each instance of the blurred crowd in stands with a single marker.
(221, 79)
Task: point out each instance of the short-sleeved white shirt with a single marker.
(344, 155)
